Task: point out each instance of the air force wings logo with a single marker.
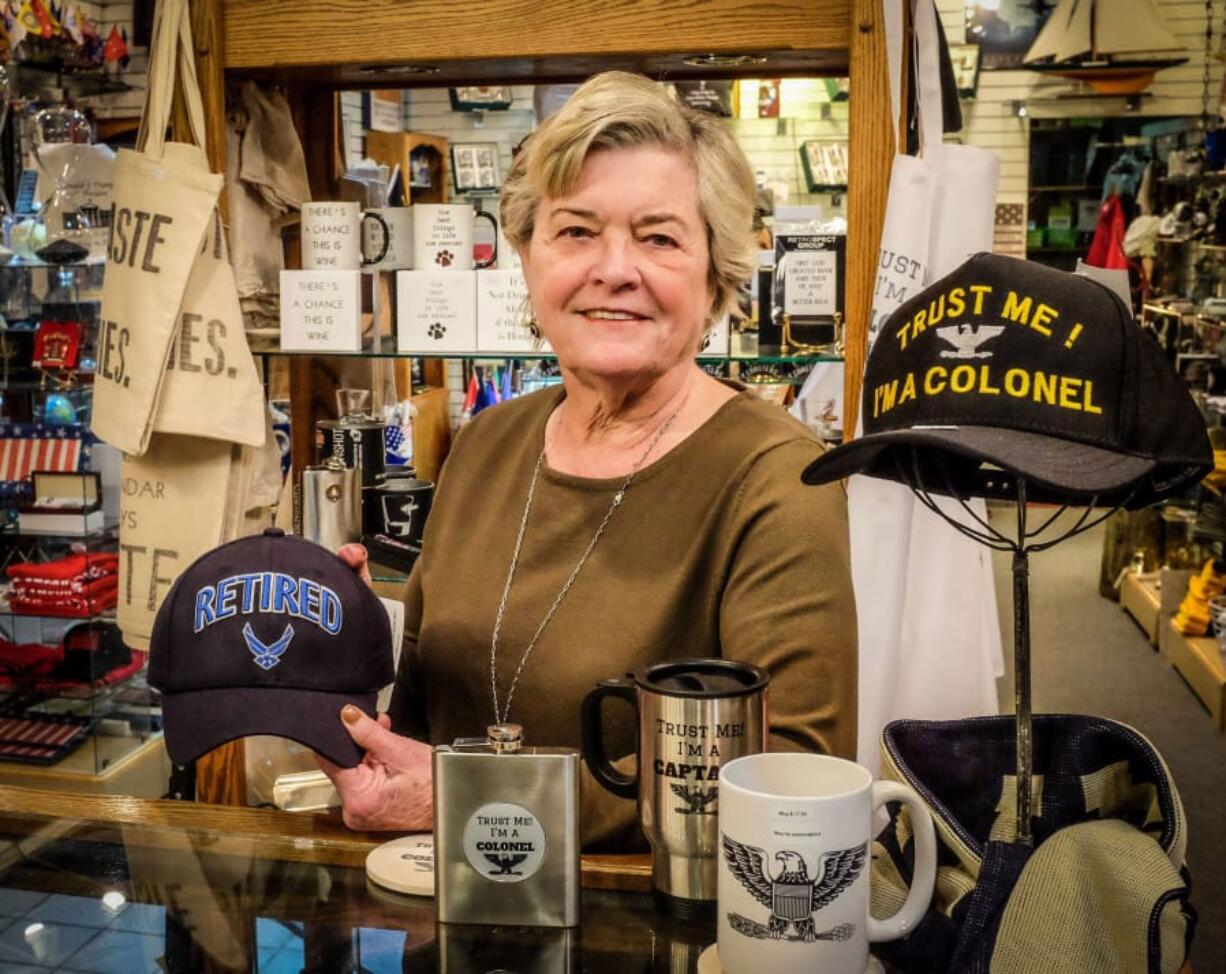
(791, 896)
(267, 656)
(966, 341)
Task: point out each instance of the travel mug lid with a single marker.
(703, 678)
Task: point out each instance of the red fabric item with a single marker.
(1107, 247)
(37, 590)
(75, 607)
(106, 680)
(68, 568)
(21, 662)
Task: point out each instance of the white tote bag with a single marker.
(163, 201)
(173, 510)
(929, 637)
(211, 387)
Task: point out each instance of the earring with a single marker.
(534, 328)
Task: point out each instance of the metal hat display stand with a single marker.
(1025, 541)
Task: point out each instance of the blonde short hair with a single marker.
(621, 110)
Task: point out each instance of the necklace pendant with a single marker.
(617, 498)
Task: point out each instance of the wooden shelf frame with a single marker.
(318, 47)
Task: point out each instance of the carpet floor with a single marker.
(1088, 656)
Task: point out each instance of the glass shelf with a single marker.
(18, 263)
(744, 351)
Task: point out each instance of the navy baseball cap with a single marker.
(1007, 369)
(270, 634)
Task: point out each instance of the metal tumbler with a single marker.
(693, 715)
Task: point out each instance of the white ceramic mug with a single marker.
(443, 237)
(399, 223)
(332, 237)
(795, 852)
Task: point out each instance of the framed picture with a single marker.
(825, 165)
(1005, 29)
(965, 58)
(481, 98)
(474, 166)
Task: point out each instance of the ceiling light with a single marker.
(114, 900)
(723, 60)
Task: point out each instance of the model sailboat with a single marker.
(1114, 45)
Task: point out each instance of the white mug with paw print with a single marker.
(443, 238)
(794, 862)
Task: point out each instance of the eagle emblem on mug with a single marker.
(791, 895)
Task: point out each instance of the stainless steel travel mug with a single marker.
(693, 715)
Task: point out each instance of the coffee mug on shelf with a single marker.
(333, 237)
(692, 715)
(398, 224)
(443, 237)
(796, 848)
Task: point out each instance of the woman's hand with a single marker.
(354, 555)
(392, 789)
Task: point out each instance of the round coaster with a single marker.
(405, 865)
(708, 963)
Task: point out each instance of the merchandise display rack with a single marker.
(75, 711)
(445, 44)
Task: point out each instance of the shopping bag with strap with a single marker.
(172, 511)
(212, 388)
(929, 638)
(163, 200)
(1103, 889)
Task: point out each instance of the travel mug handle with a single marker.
(594, 756)
(925, 874)
(482, 215)
(387, 239)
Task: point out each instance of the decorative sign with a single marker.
(321, 311)
(503, 312)
(436, 311)
(382, 111)
(504, 842)
(713, 97)
(809, 275)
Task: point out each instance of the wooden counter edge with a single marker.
(299, 836)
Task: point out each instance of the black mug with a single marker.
(400, 508)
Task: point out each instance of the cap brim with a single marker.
(1059, 468)
(196, 721)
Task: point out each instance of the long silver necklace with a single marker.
(501, 716)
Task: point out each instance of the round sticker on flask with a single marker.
(504, 842)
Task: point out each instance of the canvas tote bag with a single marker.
(928, 633)
(211, 387)
(161, 209)
(172, 510)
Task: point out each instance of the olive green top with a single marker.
(717, 550)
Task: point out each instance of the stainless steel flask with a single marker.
(693, 715)
(506, 831)
(331, 504)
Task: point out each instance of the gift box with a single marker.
(64, 503)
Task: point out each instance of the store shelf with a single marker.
(1141, 599)
(1084, 188)
(1199, 662)
(130, 766)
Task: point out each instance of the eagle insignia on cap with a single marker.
(966, 340)
(267, 655)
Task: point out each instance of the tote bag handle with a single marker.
(171, 42)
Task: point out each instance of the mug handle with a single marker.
(594, 755)
(925, 874)
(387, 239)
(482, 215)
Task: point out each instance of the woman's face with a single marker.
(618, 269)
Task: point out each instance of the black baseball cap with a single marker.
(270, 634)
(1007, 369)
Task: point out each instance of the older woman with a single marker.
(641, 512)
